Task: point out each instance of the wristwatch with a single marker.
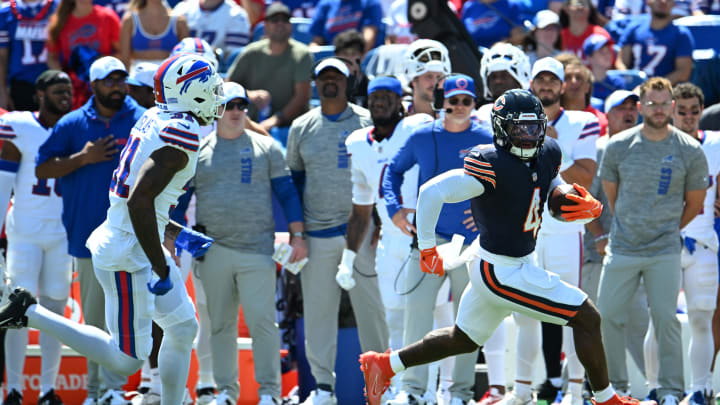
(300, 235)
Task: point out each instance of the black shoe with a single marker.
(13, 398)
(12, 314)
(50, 398)
(547, 392)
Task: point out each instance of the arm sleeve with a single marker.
(626, 38)
(697, 174)
(288, 197)
(178, 135)
(452, 186)
(685, 44)
(476, 167)
(8, 173)
(392, 179)
(57, 144)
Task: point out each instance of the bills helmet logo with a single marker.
(499, 103)
(200, 71)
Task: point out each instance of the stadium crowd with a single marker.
(335, 113)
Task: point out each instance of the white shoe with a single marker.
(405, 398)
(569, 399)
(113, 397)
(222, 399)
(187, 399)
(89, 401)
(511, 399)
(204, 396)
(148, 398)
(267, 400)
(669, 400)
(320, 397)
(430, 398)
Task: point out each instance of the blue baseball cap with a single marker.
(459, 84)
(593, 43)
(385, 83)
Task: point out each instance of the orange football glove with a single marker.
(587, 206)
(431, 262)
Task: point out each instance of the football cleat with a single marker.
(376, 369)
(13, 398)
(618, 400)
(12, 313)
(50, 398)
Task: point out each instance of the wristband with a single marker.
(601, 237)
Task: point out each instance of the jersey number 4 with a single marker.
(120, 175)
(532, 222)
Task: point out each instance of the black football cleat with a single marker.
(12, 313)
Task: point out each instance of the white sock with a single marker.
(395, 363)
(174, 360)
(522, 390)
(575, 389)
(556, 382)
(50, 348)
(494, 351)
(701, 348)
(155, 382)
(16, 341)
(145, 375)
(604, 395)
(528, 346)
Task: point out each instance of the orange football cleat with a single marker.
(618, 400)
(377, 372)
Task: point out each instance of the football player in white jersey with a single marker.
(37, 257)
(426, 63)
(699, 256)
(371, 149)
(138, 275)
(559, 244)
(222, 23)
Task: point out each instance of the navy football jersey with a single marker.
(508, 214)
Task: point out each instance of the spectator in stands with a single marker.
(279, 65)
(399, 30)
(622, 114)
(579, 20)
(148, 32)
(600, 55)
(491, 21)
(301, 8)
(657, 46)
(704, 7)
(83, 150)
(141, 83)
(578, 91)
(316, 152)
(222, 23)
(22, 48)
(335, 16)
(238, 172)
(78, 33)
(544, 39)
(349, 47)
(655, 165)
(118, 6)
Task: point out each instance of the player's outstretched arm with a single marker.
(154, 176)
(9, 165)
(450, 187)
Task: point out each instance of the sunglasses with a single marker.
(240, 105)
(465, 101)
(110, 82)
(691, 112)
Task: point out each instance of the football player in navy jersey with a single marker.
(507, 184)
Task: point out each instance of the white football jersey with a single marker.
(577, 132)
(701, 227)
(227, 27)
(369, 160)
(34, 200)
(154, 130)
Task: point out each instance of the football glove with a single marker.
(345, 269)
(162, 286)
(193, 242)
(586, 208)
(690, 244)
(431, 262)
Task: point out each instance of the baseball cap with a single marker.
(548, 64)
(143, 74)
(618, 97)
(593, 43)
(50, 77)
(232, 90)
(102, 67)
(277, 8)
(332, 63)
(385, 83)
(543, 18)
(459, 84)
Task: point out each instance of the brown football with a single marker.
(558, 198)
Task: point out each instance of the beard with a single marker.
(654, 123)
(550, 100)
(330, 90)
(53, 108)
(660, 14)
(386, 121)
(109, 102)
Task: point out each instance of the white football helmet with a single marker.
(503, 56)
(426, 55)
(197, 46)
(189, 83)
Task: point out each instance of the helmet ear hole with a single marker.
(199, 100)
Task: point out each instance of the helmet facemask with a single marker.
(522, 136)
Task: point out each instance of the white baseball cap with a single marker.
(332, 63)
(143, 74)
(232, 90)
(102, 67)
(548, 64)
(618, 97)
(544, 18)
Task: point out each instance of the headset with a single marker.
(439, 97)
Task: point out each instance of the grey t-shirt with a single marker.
(233, 190)
(316, 145)
(652, 179)
(589, 252)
